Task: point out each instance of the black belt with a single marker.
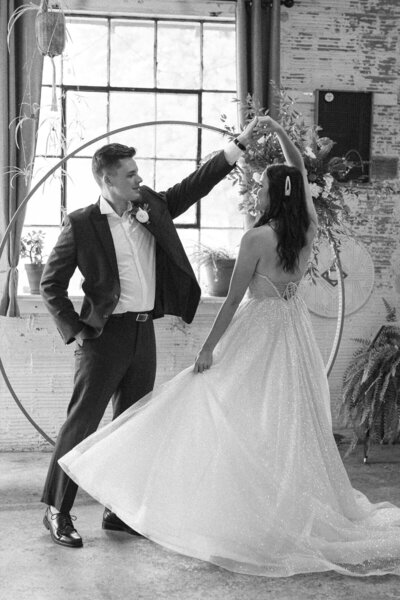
(141, 317)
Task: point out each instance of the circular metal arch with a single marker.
(339, 327)
(341, 305)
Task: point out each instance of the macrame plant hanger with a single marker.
(50, 32)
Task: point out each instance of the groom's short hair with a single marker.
(108, 157)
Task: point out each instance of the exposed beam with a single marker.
(224, 9)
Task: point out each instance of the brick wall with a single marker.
(40, 367)
(347, 45)
(353, 45)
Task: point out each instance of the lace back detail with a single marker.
(290, 290)
(262, 286)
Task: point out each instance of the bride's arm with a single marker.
(293, 158)
(244, 269)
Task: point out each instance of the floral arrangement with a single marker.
(330, 195)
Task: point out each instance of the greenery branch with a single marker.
(331, 197)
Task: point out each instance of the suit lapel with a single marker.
(163, 229)
(100, 223)
(156, 211)
(160, 226)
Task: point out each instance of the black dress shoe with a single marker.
(61, 529)
(113, 523)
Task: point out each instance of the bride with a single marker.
(233, 461)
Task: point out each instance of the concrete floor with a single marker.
(115, 566)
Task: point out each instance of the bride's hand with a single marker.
(204, 361)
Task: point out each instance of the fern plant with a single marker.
(371, 387)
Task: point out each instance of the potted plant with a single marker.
(371, 387)
(32, 244)
(218, 264)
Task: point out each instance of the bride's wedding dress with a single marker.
(238, 465)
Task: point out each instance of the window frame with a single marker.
(63, 89)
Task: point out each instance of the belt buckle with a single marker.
(142, 317)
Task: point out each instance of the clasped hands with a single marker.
(258, 126)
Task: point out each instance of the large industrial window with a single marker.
(120, 71)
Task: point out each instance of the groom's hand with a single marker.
(249, 132)
(235, 148)
(204, 361)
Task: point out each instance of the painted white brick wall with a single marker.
(40, 367)
(353, 45)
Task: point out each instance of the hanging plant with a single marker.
(50, 31)
(50, 38)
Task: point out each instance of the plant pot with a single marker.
(219, 276)
(34, 273)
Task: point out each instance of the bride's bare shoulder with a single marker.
(257, 242)
(263, 234)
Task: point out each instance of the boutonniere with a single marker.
(140, 213)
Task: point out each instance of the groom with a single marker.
(134, 270)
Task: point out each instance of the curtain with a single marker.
(258, 52)
(21, 67)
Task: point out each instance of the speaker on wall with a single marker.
(346, 117)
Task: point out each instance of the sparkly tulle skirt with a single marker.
(238, 466)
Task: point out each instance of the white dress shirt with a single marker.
(135, 249)
(232, 153)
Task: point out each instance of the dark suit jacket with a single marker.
(86, 242)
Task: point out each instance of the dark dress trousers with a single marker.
(117, 358)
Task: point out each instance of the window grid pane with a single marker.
(120, 71)
(178, 55)
(132, 53)
(86, 52)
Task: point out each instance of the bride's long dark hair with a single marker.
(288, 213)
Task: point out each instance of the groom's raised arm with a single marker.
(199, 183)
